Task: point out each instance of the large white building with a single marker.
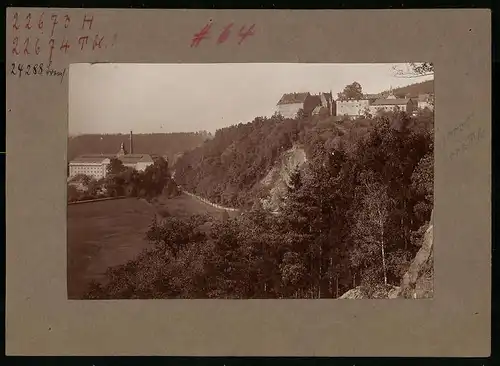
(372, 104)
(95, 165)
(352, 108)
(290, 104)
(392, 104)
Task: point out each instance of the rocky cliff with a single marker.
(278, 178)
(418, 281)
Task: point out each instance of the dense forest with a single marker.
(228, 168)
(354, 215)
(413, 90)
(161, 144)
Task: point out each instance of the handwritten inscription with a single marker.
(460, 127)
(223, 35)
(20, 70)
(471, 139)
(45, 34)
(462, 137)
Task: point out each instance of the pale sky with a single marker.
(148, 98)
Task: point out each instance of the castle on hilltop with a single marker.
(290, 104)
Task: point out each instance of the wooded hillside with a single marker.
(228, 168)
(413, 90)
(355, 216)
(160, 144)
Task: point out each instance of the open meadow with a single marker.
(109, 233)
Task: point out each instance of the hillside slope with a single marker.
(238, 166)
(162, 144)
(277, 181)
(226, 168)
(413, 90)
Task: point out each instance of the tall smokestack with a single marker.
(131, 146)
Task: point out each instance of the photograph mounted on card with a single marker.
(318, 181)
(318, 186)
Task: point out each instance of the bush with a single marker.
(164, 213)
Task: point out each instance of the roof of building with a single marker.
(391, 101)
(317, 109)
(424, 98)
(126, 159)
(92, 158)
(371, 96)
(328, 95)
(353, 100)
(293, 98)
(136, 158)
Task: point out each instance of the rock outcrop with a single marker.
(418, 281)
(389, 292)
(278, 178)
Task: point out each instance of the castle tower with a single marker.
(122, 150)
(391, 94)
(331, 102)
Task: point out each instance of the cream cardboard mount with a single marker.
(42, 43)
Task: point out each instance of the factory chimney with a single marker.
(131, 145)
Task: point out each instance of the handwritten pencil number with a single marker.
(26, 44)
(28, 21)
(40, 21)
(17, 69)
(15, 43)
(15, 25)
(37, 47)
(20, 67)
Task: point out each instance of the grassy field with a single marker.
(110, 233)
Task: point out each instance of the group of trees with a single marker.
(352, 91)
(414, 70)
(124, 181)
(353, 216)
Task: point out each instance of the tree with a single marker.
(225, 215)
(93, 187)
(423, 68)
(81, 178)
(293, 272)
(72, 194)
(302, 114)
(351, 91)
(422, 185)
(370, 230)
(174, 234)
(414, 69)
(115, 166)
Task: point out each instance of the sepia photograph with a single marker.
(250, 181)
